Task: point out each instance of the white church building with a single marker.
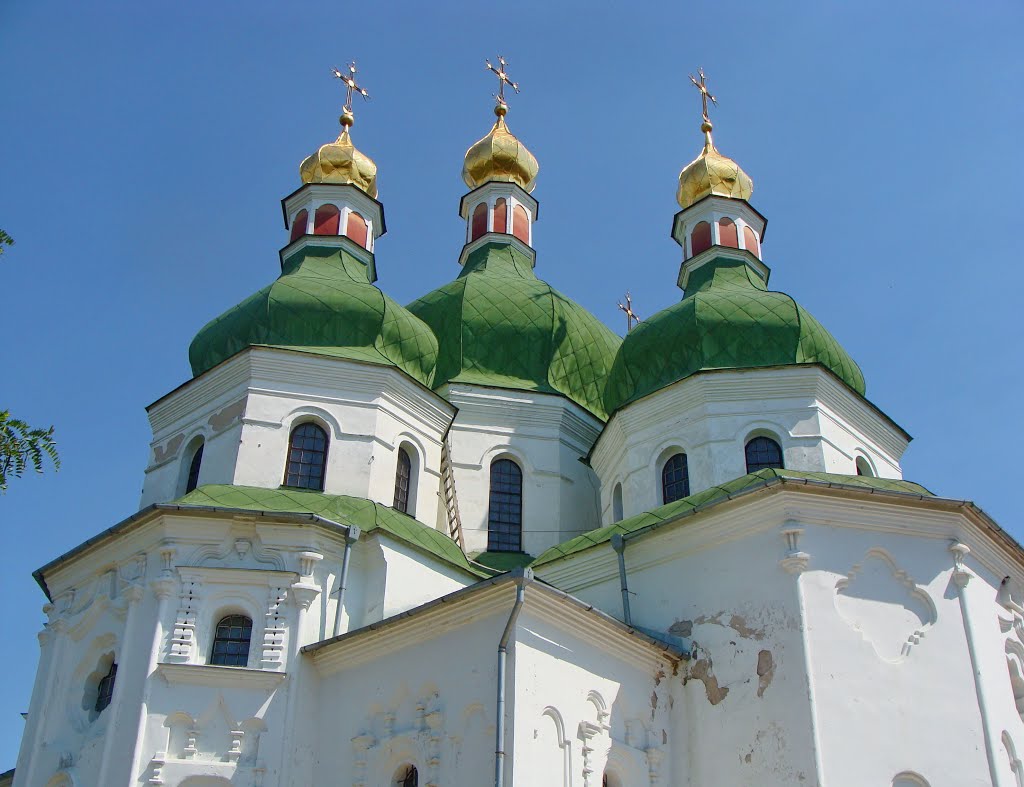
(480, 539)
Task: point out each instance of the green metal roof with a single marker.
(322, 303)
(717, 494)
(365, 514)
(728, 320)
(498, 325)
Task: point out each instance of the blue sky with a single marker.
(145, 149)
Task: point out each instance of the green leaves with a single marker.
(5, 240)
(22, 447)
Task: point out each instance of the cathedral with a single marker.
(480, 539)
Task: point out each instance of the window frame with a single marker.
(399, 504)
(288, 474)
(105, 689)
(503, 535)
(684, 480)
(763, 465)
(231, 621)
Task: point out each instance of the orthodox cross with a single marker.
(350, 84)
(702, 86)
(502, 78)
(631, 316)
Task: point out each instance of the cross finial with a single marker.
(503, 79)
(702, 86)
(349, 79)
(631, 316)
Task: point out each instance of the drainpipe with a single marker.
(351, 536)
(522, 577)
(961, 576)
(619, 545)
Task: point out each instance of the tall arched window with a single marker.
(105, 689)
(479, 225)
(403, 474)
(501, 215)
(505, 510)
(231, 641)
(325, 220)
(863, 468)
(750, 241)
(700, 238)
(407, 776)
(307, 457)
(193, 470)
(521, 224)
(675, 479)
(299, 224)
(763, 452)
(356, 229)
(727, 235)
(617, 503)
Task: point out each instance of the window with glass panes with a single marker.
(403, 473)
(307, 457)
(505, 509)
(675, 479)
(763, 452)
(105, 689)
(231, 641)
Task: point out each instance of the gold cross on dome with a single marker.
(503, 78)
(350, 84)
(702, 86)
(631, 316)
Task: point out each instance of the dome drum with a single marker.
(327, 209)
(718, 254)
(499, 207)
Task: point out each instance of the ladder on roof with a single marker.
(451, 502)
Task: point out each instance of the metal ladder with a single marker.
(451, 502)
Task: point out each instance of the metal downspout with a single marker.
(522, 578)
(351, 536)
(619, 545)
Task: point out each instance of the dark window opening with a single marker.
(763, 452)
(193, 470)
(505, 510)
(403, 475)
(675, 479)
(307, 457)
(408, 777)
(231, 642)
(105, 689)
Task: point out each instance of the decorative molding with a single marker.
(275, 628)
(220, 677)
(961, 576)
(795, 560)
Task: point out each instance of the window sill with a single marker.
(214, 675)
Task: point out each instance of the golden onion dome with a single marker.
(712, 173)
(341, 162)
(500, 156)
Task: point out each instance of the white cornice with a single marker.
(216, 676)
(498, 238)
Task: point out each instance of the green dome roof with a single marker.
(322, 303)
(728, 320)
(498, 325)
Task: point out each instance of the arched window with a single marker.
(407, 776)
(521, 224)
(675, 479)
(700, 238)
(307, 457)
(403, 475)
(617, 503)
(299, 224)
(105, 689)
(356, 229)
(763, 452)
(750, 241)
(501, 215)
(727, 235)
(505, 510)
(193, 470)
(325, 220)
(231, 642)
(479, 226)
(863, 468)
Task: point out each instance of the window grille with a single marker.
(105, 689)
(675, 479)
(231, 642)
(403, 474)
(763, 452)
(505, 510)
(307, 457)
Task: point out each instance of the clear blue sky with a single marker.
(145, 150)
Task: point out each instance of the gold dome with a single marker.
(712, 173)
(341, 162)
(500, 156)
